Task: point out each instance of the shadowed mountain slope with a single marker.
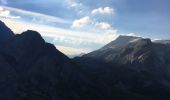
(5, 33)
(32, 69)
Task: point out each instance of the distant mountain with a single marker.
(113, 48)
(134, 64)
(162, 41)
(5, 33)
(121, 41)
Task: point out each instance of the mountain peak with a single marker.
(31, 35)
(122, 40)
(24, 44)
(5, 33)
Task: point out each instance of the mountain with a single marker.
(113, 48)
(128, 68)
(32, 69)
(134, 64)
(5, 33)
(162, 41)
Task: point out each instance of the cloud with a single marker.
(132, 34)
(81, 22)
(64, 35)
(4, 13)
(105, 10)
(39, 16)
(103, 25)
(73, 4)
(71, 51)
(69, 41)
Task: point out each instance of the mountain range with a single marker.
(128, 68)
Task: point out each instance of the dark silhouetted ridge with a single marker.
(32, 69)
(128, 68)
(5, 33)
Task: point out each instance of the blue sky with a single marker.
(76, 26)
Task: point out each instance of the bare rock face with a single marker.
(134, 64)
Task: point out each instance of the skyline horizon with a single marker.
(76, 25)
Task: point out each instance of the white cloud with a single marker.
(103, 25)
(132, 34)
(73, 4)
(81, 22)
(105, 10)
(37, 15)
(70, 50)
(6, 13)
(76, 4)
(73, 37)
(66, 36)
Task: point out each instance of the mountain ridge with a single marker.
(32, 69)
(6, 33)
(129, 68)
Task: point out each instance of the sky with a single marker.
(81, 26)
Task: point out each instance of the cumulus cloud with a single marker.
(103, 25)
(81, 22)
(101, 10)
